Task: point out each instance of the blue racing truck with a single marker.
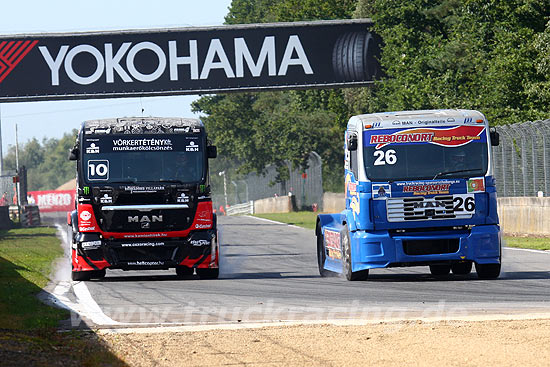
(419, 192)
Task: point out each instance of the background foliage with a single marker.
(47, 162)
(490, 55)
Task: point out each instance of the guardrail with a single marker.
(240, 209)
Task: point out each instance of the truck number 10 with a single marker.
(98, 170)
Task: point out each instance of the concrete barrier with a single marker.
(281, 204)
(525, 216)
(334, 202)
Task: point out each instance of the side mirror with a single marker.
(352, 142)
(495, 137)
(73, 154)
(211, 151)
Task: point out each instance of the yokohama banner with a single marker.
(52, 201)
(188, 61)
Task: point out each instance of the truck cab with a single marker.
(419, 191)
(143, 198)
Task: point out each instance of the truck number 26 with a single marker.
(382, 158)
(464, 204)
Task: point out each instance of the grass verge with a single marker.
(28, 327)
(301, 219)
(307, 220)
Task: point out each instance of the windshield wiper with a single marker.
(459, 171)
(171, 181)
(134, 180)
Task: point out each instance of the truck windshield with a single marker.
(143, 158)
(425, 153)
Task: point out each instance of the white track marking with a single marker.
(275, 222)
(528, 250)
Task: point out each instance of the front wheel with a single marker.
(463, 268)
(346, 252)
(440, 270)
(208, 273)
(87, 275)
(322, 256)
(184, 271)
(488, 271)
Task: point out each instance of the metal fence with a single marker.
(7, 188)
(521, 162)
(307, 187)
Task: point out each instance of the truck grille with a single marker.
(423, 208)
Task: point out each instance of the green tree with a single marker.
(47, 164)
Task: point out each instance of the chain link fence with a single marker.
(7, 188)
(521, 162)
(307, 187)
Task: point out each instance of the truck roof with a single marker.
(142, 125)
(421, 117)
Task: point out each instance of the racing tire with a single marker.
(439, 270)
(488, 271)
(346, 252)
(79, 276)
(184, 271)
(208, 273)
(322, 256)
(355, 56)
(462, 268)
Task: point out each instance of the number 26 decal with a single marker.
(464, 203)
(383, 158)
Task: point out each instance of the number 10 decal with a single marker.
(98, 170)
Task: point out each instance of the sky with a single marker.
(54, 118)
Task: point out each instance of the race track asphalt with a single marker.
(269, 273)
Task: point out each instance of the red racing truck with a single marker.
(143, 198)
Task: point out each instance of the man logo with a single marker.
(11, 54)
(145, 219)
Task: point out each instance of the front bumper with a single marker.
(380, 249)
(199, 250)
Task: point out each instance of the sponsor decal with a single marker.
(192, 147)
(144, 144)
(476, 185)
(449, 137)
(182, 129)
(202, 226)
(143, 189)
(145, 235)
(200, 242)
(146, 263)
(86, 190)
(106, 199)
(91, 245)
(85, 215)
(430, 189)
(182, 198)
(11, 54)
(86, 229)
(143, 244)
(332, 244)
(52, 201)
(381, 191)
(92, 149)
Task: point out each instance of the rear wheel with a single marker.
(208, 273)
(346, 252)
(488, 271)
(440, 270)
(462, 268)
